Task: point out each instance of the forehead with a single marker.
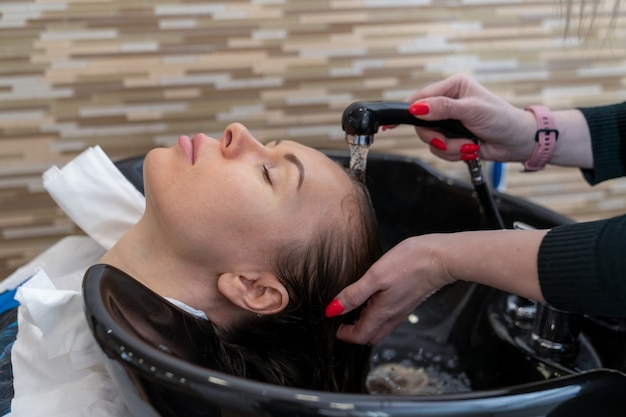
(316, 164)
(324, 191)
(305, 153)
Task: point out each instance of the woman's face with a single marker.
(235, 199)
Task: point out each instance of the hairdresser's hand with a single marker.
(506, 132)
(395, 285)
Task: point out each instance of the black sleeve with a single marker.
(582, 267)
(607, 126)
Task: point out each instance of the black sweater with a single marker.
(582, 267)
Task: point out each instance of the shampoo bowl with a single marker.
(154, 350)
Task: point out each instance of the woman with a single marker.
(264, 236)
(256, 238)
(579, 267)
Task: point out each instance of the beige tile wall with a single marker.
(130, 75)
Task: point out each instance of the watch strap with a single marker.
(545, 139)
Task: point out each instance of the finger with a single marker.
(351, 297)
(438, 111)
(457, 147)
(376, 320)
(367, 330)
(449, 87)
(388, 127)
(427, 135)
(439, 108)
(440, 146)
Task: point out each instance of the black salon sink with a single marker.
(460, 338)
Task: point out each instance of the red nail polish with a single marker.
(334, 308)
(470, 148)
(419, 108)
(439, 144)
(469, 156)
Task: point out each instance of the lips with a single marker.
(186, 144)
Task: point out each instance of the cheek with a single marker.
(170, 194)
(158, 172)
(226, 206)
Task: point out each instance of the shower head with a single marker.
(361, 120)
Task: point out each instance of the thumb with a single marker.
(348, 299)
(437, 108)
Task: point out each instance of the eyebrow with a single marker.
(296, 161)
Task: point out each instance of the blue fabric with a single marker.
(8, 333)
(8, 301)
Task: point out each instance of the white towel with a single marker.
(96, 196)
(58, 367)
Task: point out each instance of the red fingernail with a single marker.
(385, 127)
(439, 144)
(419, 108)
(470, 148)
(334, 308)
(469, 156)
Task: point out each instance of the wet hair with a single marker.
(297, 347)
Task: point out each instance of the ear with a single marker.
(258, 292)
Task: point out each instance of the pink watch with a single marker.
(545, 137)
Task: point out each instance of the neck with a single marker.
(145, 255)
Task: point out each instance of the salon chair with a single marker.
(156, 353)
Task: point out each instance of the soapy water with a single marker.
(416, 373)
(418, 358)
(400, 379)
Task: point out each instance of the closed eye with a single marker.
(266, 175)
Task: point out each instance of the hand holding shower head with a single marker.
(361, 121)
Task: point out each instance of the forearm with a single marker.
(573, 146)
(415, 268)
(503, 259)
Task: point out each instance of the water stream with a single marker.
(358, 160)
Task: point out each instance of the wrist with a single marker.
(545, 138)
(437, 261)
(526, 137)
(574, 145)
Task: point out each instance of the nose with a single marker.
(237, 140)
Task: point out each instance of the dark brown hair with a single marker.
(298, 347)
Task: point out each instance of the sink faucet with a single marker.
(555, 333)
(537, 328)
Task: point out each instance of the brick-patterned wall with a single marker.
(133, 74)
